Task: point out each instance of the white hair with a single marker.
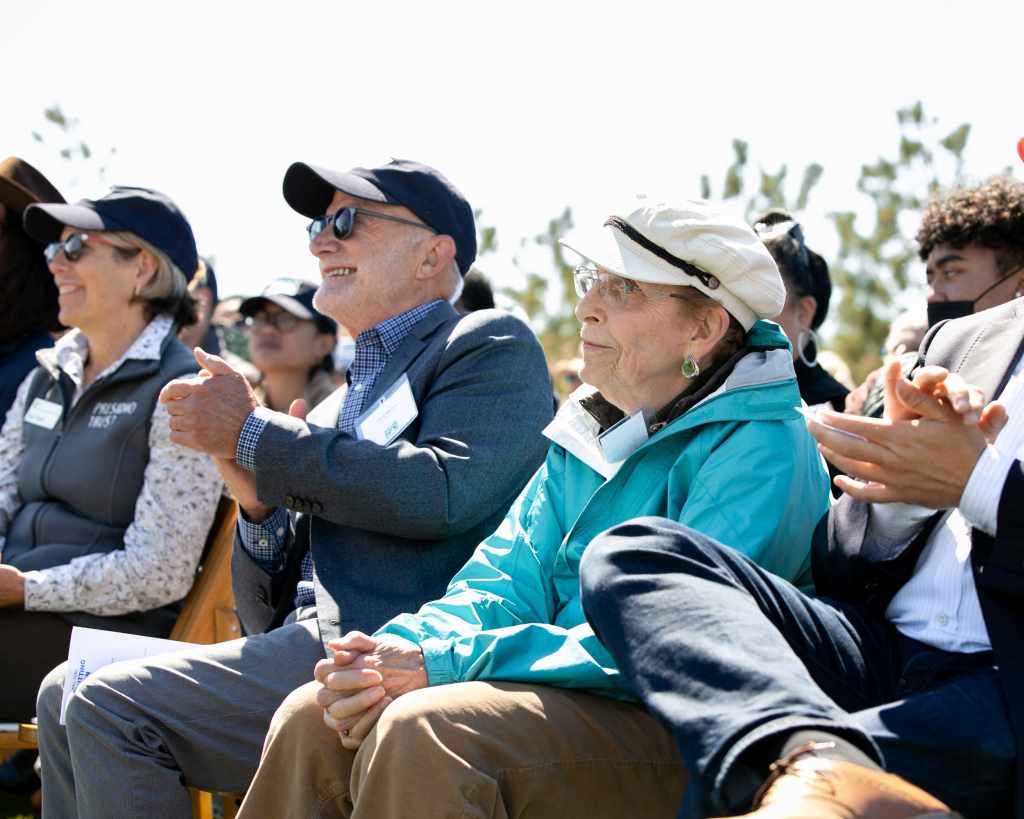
(455, 282)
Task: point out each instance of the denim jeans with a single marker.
(726, 654)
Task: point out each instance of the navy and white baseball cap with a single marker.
(148, 214)
(294, 296)
(420, 188)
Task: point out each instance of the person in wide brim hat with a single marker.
(22, 185)
(28, 296)
(28, 320)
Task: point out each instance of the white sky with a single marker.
(526, 106)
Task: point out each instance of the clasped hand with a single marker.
(363, 678)
(923, 451)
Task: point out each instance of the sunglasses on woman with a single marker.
(343, 221)
(73, 247)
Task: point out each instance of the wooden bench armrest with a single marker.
(28, 732)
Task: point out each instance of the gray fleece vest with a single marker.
(79, 481)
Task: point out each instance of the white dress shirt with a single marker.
(939, 604)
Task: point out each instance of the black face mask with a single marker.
(942, 310)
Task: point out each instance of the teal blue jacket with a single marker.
(739, 466)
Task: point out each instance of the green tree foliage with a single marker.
(62, 133)
(549, 300)
(486, 235)
(876, 254)
(771, 189)
(876, 247)
(876, 242)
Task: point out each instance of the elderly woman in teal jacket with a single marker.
(498, 699)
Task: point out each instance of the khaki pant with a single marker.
(474, 749)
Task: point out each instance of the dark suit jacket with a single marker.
(985, 349)
(390, 525)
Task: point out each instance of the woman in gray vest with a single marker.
(102, 518)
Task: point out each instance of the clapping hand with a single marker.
(208, 410)
(923, 451)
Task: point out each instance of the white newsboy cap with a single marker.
(694, 243)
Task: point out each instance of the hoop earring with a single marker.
(690, 368)
(801, 345)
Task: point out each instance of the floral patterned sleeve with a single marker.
(162, 545)
(12, 446)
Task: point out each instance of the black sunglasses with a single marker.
(343, 221)
(73, 246)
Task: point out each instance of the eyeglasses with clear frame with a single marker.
(282, 322)
(343, 222)
(616, 289)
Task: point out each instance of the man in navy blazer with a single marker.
(359, 510)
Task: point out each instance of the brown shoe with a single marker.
(805, 786)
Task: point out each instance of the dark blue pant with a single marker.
(727, 654)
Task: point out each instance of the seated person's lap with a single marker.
(212, 703)
(534, 750)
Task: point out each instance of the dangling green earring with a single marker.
(690, 368)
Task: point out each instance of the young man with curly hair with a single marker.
(972, 241)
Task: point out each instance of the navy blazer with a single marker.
(985, 349)
(390, 525)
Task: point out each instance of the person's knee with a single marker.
(298, 716)
(81, 704)
(607, 556)
(106, 699)
(646, 545)
(413, 724)
(51, 692)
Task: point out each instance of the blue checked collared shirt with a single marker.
(264, 541)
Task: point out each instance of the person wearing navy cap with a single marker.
(102, 517)
(385, 490)
(290, 343)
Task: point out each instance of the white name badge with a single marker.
(43, 413)
(620, 441)
(390, 414)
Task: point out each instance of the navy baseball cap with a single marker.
(420, 188)
(148, 214)
(209, 278)
(293, 296)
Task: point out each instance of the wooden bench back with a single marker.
(208, 615)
